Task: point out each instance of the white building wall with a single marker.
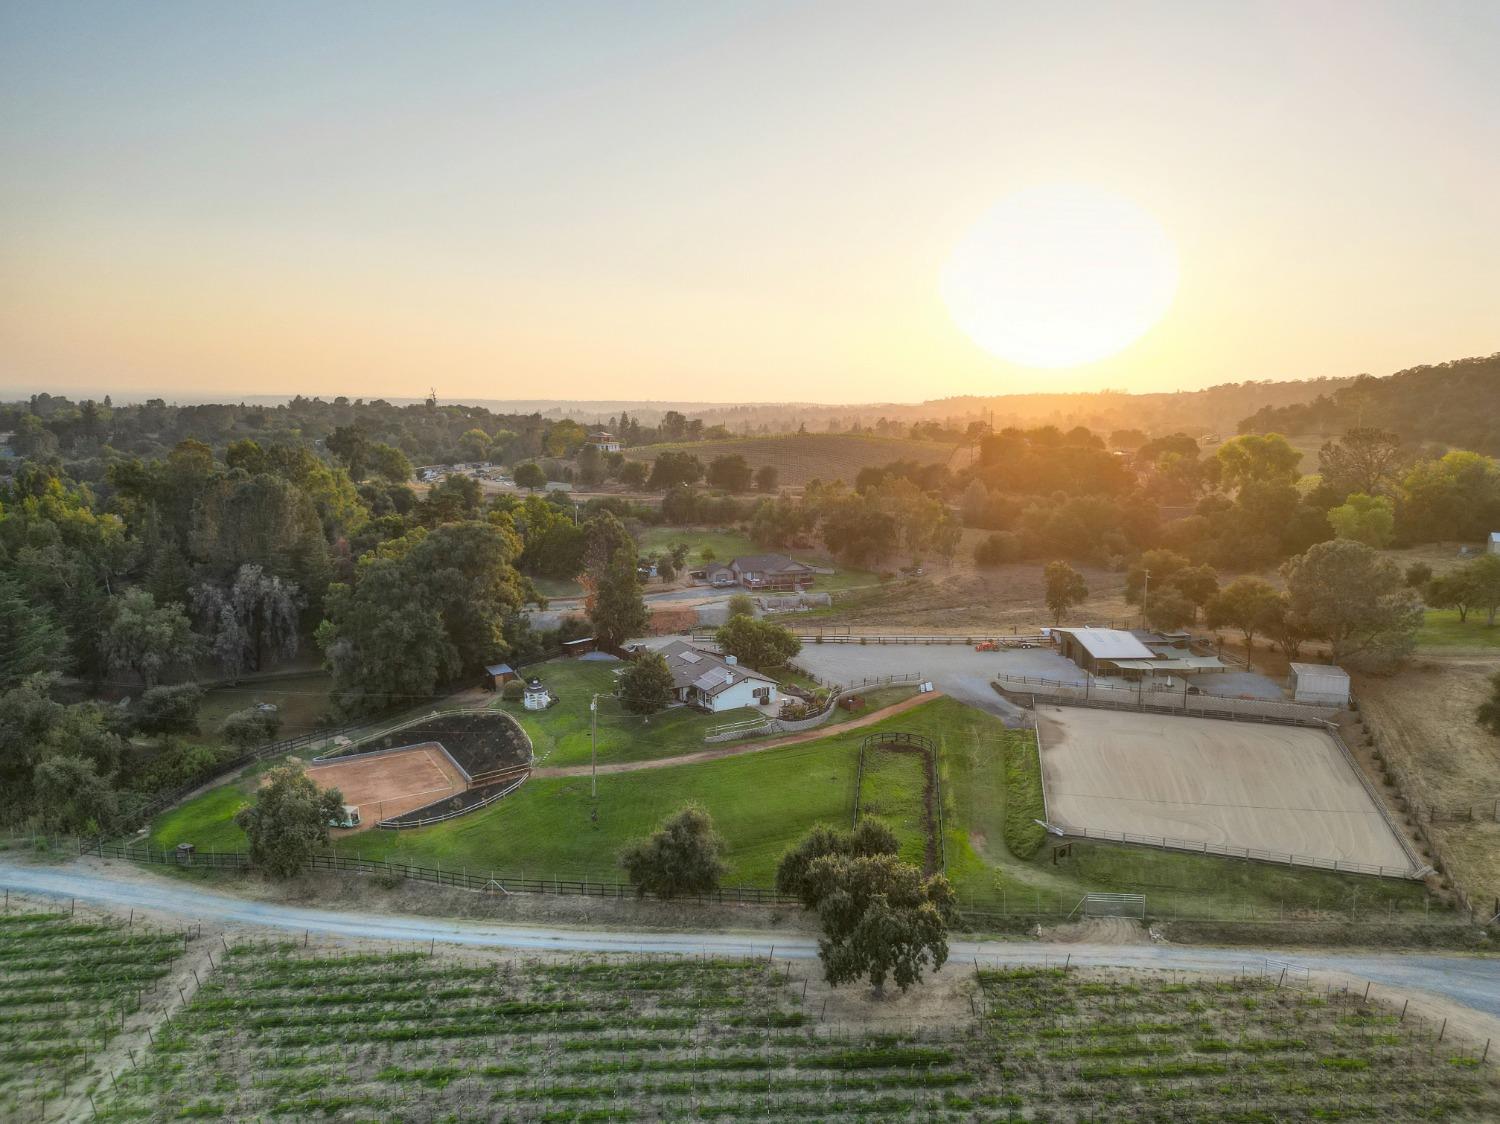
(741, 694)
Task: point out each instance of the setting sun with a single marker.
(1060, 275)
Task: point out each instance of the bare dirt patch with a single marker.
(391, 783)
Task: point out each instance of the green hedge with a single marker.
(1023, 797)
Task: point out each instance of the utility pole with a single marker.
(594, 747)
(1145, 592)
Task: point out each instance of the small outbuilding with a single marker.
(1319, 684)
(500, 674)
(1495, 542)
(536, 696)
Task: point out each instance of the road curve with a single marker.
(1470, 981)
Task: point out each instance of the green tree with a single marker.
(145, 639)
(633, 474)
(766, 477)
(646, 684)
(1356, 600)
(1454, 590)
(682, 857)
(1169, 611)
(740, 605)
(1418, 574)
(763, 645)
(1249, 605)
(730, 472)
(73, 796)
(1365, 460)
(31, 641)
(1065, 589)
(619, 611)
(474, 444)
(289, 820)
(1484, 574)
(881, 919)
(251, 727)
(164, 711)
(390, 463)
(1488, 713)
(670, 469)
(1262, 458)
(530, 475)
(1367, 519)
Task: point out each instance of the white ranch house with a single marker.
(715, 683)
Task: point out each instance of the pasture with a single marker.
(279, 1031)
(1273, 788)
(799, 458)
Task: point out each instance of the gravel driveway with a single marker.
(956, 669)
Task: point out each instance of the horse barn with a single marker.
(1135, 654)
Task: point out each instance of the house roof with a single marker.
(1109, 643)
(1327, 670)
(693, 667)
(771, 563)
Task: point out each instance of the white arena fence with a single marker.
(1225, 850)
(1174, 700)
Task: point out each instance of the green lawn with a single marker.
(557, 588)
(1441, 629)
(891, 789)
(560, 734)
(728, 544)
(762, 802)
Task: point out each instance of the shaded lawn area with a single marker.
(302, 701)
(557, 588)
(560, 734)
(1441, 628)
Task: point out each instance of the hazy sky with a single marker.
(718, 201)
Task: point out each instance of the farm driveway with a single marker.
(956, 669)
(1466, 981)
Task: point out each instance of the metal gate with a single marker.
(1112, 905)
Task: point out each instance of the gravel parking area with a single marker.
(955, 669)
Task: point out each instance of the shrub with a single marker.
(251, 727)
(998, 549)
(513, 690)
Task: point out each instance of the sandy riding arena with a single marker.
(388, 784)
(1275, 788)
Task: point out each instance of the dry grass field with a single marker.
(1274, 788)
(799, 458)
(1423, 722)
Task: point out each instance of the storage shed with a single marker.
(1321, 684)
(500, 674)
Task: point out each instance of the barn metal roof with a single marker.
(1109, 643)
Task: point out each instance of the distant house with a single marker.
(761, 571)
(1321, 684)
(715, 683)
(1495, 542)
(605, 441)
(559, 486)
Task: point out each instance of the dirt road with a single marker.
(1469, 982)
(752, 747)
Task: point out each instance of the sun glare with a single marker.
(1059, 276)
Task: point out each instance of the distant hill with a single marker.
(823, 456)
(1455, 403)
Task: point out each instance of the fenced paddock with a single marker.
(391, 783)
(1275, 792)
